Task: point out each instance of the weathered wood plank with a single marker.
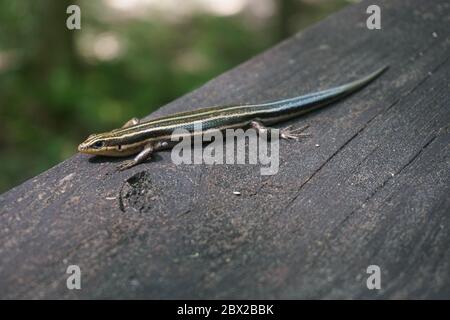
(374, 192)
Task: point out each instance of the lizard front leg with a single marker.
(131, 122)
(286, 133)
(142, 156)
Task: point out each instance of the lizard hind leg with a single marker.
(286, 133)
(294, 134)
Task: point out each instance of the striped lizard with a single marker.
(146, 137)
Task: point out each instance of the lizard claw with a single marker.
(294, 134)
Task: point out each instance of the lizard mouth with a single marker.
(84, 149)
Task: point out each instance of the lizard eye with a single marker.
(98, 144)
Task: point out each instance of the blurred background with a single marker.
(129, 58)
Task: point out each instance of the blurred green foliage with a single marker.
(52, 95)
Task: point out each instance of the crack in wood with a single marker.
(384, 183)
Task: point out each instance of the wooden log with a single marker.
(371, 187)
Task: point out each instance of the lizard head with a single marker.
(100, 144)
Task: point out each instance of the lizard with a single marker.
(144, 138)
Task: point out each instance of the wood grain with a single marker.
(375, 191)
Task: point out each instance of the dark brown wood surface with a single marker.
(375, 191)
